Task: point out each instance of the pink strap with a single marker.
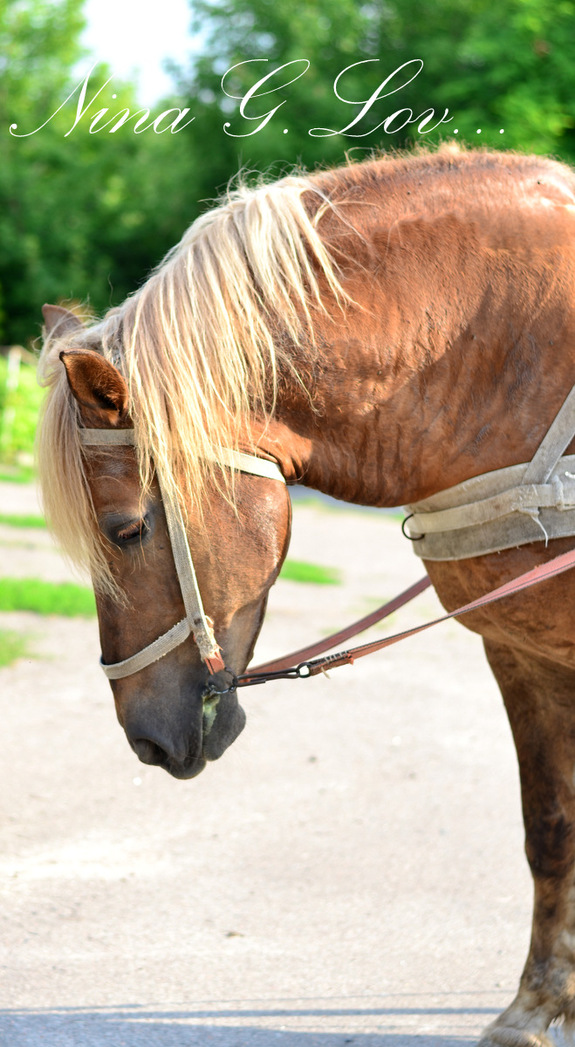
(345, 634)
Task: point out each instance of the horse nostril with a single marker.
(148, 752)
(174, 759)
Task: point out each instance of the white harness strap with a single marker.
(196, 621)
(504, 508)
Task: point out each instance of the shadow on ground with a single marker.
(132, 1026)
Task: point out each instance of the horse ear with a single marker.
(59, 321)
(99, 388)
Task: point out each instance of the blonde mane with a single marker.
(201, 345)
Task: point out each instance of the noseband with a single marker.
(196, 621)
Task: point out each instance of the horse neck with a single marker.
(438, 374)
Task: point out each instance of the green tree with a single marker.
(38, 45)
(254, 37)
(493, 66)
(514, 70)
(82, 216)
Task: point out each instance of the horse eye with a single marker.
(133, 532)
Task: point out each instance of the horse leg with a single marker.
(539, 697)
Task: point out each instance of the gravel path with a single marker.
(350, 872)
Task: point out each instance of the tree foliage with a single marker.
(82, 216)
(504, 67)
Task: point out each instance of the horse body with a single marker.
(448, 354)
(457, 322)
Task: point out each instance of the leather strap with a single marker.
(200, 625)
(551, 569)
(296, 657)
(248, 463)
(244, 463)
(152, 653)
(554, 443)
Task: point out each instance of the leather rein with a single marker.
(304, 662)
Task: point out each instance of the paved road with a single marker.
(350, 872)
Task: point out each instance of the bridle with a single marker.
(196, 622)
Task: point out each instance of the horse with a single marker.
(380, 332)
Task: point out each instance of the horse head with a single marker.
(237, 547)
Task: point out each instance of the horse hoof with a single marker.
(507, 1036)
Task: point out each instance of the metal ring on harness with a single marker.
(212, 690)
(410, 537)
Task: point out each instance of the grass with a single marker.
(33, 594)
(22, 520)
(310, 573)
(17, 474)
(12, 647)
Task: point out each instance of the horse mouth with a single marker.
(186, 770)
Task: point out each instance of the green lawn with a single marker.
(300, 571)
(22, 520)
(33, 594)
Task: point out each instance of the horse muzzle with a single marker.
(182, 745)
